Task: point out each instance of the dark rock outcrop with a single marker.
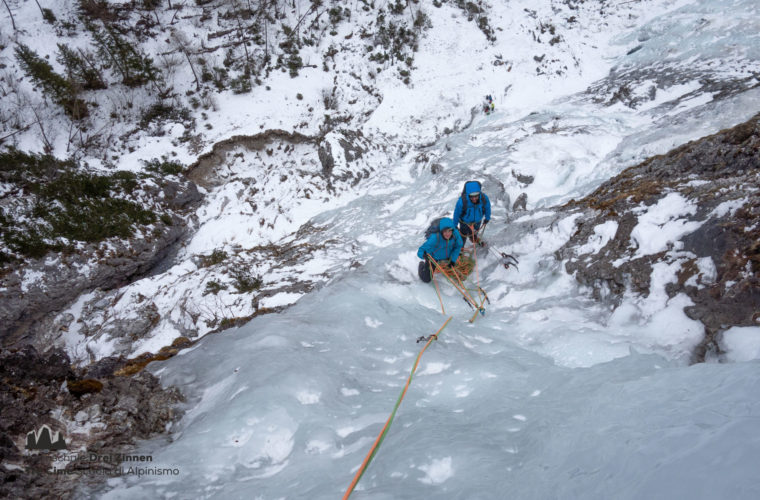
(202, 172)
(720, 176)
(102, 417)
(520, 203)
(326, 158)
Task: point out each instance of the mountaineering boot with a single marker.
(423, 271)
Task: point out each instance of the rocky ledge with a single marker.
(707, 193)
(56, 418)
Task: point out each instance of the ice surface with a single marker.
(547, 396)
(287, 406)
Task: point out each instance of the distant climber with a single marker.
(443, 245)
(488, 105)
(472, 208)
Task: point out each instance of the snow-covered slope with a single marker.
(563, 118)
(534, 397)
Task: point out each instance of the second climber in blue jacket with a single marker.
(444, 244)
(472, 208)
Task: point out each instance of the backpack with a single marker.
(465, 198)
(433, 227)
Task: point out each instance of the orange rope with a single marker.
(475, 315)
(459, 289)
(381, 436)
(432, 273)
(440, 269)
(464, 290)
(477, 273)
(481, 293)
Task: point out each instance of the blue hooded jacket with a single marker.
(439, 247)
(475, 211)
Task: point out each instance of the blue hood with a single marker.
(446, 223)
(472, 188)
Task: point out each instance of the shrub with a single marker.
(214, 258)
(337, 14)
(213, 287)
(294, 63)
(62, 205)
(241, 84)
(291, 47)
(135, 68)
(397, 39)
(97, 9)
(245, 282)
(218, 76)
(422, 20)
(160, 112)
(397, 8)
(164, 167)
(48, 16)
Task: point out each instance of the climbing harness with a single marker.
(387, 426)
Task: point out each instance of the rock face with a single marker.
(718, 179)
(41, 394)
(204, 171)
(32, 289)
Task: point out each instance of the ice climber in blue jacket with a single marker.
(472, 208)
(446, 243)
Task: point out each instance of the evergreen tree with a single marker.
(135, 68)
(80, 69)
(58, 88)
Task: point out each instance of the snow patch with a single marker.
(661, 226)
(437, 471)
(741, 343)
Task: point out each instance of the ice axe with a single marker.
(507, 260)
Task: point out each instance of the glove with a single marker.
(452, 264)
(484, 224)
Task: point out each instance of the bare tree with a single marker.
(48, 147)
(241, 34)
(181, 43)
(13, 22)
